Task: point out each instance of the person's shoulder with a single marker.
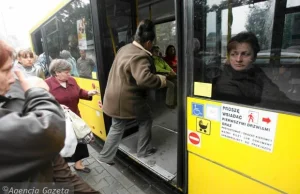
(155, 58)
(91, 60)
(49, 79)
(71, 80)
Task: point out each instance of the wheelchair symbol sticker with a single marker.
(197, 109)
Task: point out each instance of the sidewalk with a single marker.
(108, 179)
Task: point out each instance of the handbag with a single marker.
(81, 129)
(70, 140)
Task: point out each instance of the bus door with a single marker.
(164, 128)
(117, 28)
(242, 146)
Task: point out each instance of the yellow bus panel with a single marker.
(206, 177)
(90, 111)
(277, 165)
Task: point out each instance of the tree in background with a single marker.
(259, 22)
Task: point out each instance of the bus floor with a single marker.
(164, 138)
(122, 178)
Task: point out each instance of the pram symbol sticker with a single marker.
(203, 126)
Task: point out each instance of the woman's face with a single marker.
(26, 60)
(171, 51)
(63, 76)
(6, 76)
(241, 57)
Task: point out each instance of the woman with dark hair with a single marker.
(242, 81)
(171, 57)
(131, 76)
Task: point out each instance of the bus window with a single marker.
(278, 59)
(162, 14)
(117, 28)
(292, 3)
(78, 39)
(165, 35)
(52, 38)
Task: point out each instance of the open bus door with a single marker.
(117, 24)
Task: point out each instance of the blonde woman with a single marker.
(26, 59)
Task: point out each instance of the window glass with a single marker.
(53, 45)
(162, 9)
(165, 35)
(51, 26)
(117, 28)
(289, 71)
(77, 39)
(271, 79)
(159, 10)
(292, 3)
(144, 13)
(52, 38)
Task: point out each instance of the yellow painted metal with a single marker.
(112, 38)
(233, 163)
(208, 178)
(89, 110)
(136, 12)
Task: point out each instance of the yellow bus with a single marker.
(205, 146)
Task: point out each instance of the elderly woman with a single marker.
(26, 60)
(67, 92)
(242, 81)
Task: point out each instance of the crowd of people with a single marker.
(32, 109)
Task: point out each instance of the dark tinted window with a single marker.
(77, 34)
(278, 61)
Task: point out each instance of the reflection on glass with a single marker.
(77, 34)
(165, 35)
(53, 45)
(289, 72)
(51, 26)
(216, 21)
(256, 18)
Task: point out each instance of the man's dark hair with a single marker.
(244, 37)
(145, 32)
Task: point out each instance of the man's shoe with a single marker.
(107, 163)
(150, 152)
